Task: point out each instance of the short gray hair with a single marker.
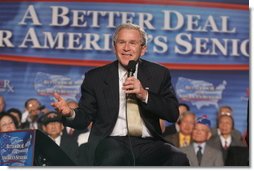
(129, 25)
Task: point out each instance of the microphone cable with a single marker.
(128, 135)
(131, 70)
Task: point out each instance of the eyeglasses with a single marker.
(226, 113)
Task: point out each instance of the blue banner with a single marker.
(16, 148)
(82, 31)
(47, 47)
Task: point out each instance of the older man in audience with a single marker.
(199, 152)
(183, 137)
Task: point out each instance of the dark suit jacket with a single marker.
(99, 101)
(215, 142)
(70, 147)
(169, 130)
(237, 156)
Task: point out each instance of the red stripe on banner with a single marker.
(155, 2)
(94, 63)
(175, 66)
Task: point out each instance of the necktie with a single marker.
(226, 145)
(185, 142)
(133, 118)
(199, 155)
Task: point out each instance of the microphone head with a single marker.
(132, 66)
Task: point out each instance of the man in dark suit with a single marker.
(103, 102)
(53, 127)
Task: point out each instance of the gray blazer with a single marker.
(211, 156)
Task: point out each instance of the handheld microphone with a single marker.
(131, 70)
(131, 67)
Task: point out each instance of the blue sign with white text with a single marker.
(16, 148)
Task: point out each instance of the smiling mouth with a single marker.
(126, 54)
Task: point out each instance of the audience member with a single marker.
(35, 112)
(225, 139)
(17, 113)
(174, 128)
(199, 152)
(226, 110)
(7, 122)
(53, 127)
(183, 137)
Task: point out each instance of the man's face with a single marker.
(33, 108)
(200, 133)
(225, 125)
(128, 46)
(187, 124)
(53, 129)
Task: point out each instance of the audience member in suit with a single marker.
(186, 124)
(199, 152)
(226, 139)
(8, 122)
(53, 127)
(226, 110)
(35, 111)
(174, 127)
(103, 102)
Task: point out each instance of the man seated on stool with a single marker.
(114, 140)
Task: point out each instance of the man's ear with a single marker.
(209, 135)
(62, 127)
(143, 51)
(44, 128)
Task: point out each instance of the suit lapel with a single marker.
(193, 156)
(111, 89)
(144, 74)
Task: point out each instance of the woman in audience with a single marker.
(17, 113)
(8, 122)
